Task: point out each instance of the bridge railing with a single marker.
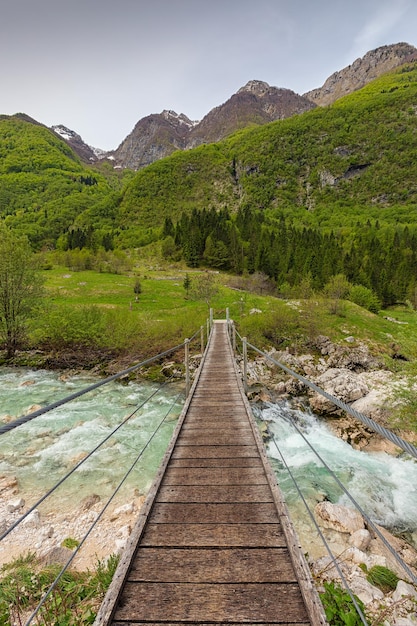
(21, 421)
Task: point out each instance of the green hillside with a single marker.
(332, 191)
(329, 167)
(45, 190)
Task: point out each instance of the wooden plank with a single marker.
(212, 452)
(215, 493)
(215, 476)
(212, 548)
(216, 438)
(214, 513)
(198, 623)
(207, 535)
(223, 602)
(232, 424)
(216, 462)
(216, 565)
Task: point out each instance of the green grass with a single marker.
(164, 308)
(92, 312)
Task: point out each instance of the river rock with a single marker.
(325, 569)
(341, 383)
(15, 505)
(360, 539)
(57, 556)
(33, 408)
(364, 590)
(33, 519)
(356, 358)
(8, 483)
(125, 509)
(404, 589)
(339, 518)
(89, 501)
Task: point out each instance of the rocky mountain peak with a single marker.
(174, 118)
(362, 71)
(84, 151)
(258, 87)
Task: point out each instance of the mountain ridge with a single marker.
(160, 134)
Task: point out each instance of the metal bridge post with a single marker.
(227, 316)
(187, 366)
(211, 318)
(208, 329)
(202, 338)
(245, 363)
(234, 337)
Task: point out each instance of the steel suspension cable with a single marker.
(398, 441)
(100, 515)
(322, 537)
(90, 454)
(356, 504)
(26, 418)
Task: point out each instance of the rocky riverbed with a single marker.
(351, 374)
(348, 372)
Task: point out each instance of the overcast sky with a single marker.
(98, 66)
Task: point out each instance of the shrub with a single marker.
(339, 607)
(75, 599)
(383, 578)
(365, 298)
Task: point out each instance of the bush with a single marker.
(364, 297)
(339, 607)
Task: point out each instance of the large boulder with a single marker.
(340, 518)
(340, 383)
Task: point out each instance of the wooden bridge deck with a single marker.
(213, 544)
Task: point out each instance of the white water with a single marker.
(385, 487)
(40, 452)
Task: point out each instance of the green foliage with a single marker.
(70, 543)
(339, 607)
(20, 289)
(301, 200)
(74, 601)
(44, 188)
(364, 297)
(383, 578)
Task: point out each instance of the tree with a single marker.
(204, 287)
(137, 288)
(21, 287)
(187, 284)
(364, 297)
(337, 289)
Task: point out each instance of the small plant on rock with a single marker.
(339, 607)
(385, 579)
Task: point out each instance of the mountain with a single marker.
(44, 187)
(157, 136)
(85, 152)
(160, 134)
(253, 105)
(154, 137)
(361, 72)
(328, 167)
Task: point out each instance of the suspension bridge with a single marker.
(213, 543)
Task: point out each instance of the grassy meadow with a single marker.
(104, 311)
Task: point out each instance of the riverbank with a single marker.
(348, 374)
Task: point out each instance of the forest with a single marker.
(328, 192)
